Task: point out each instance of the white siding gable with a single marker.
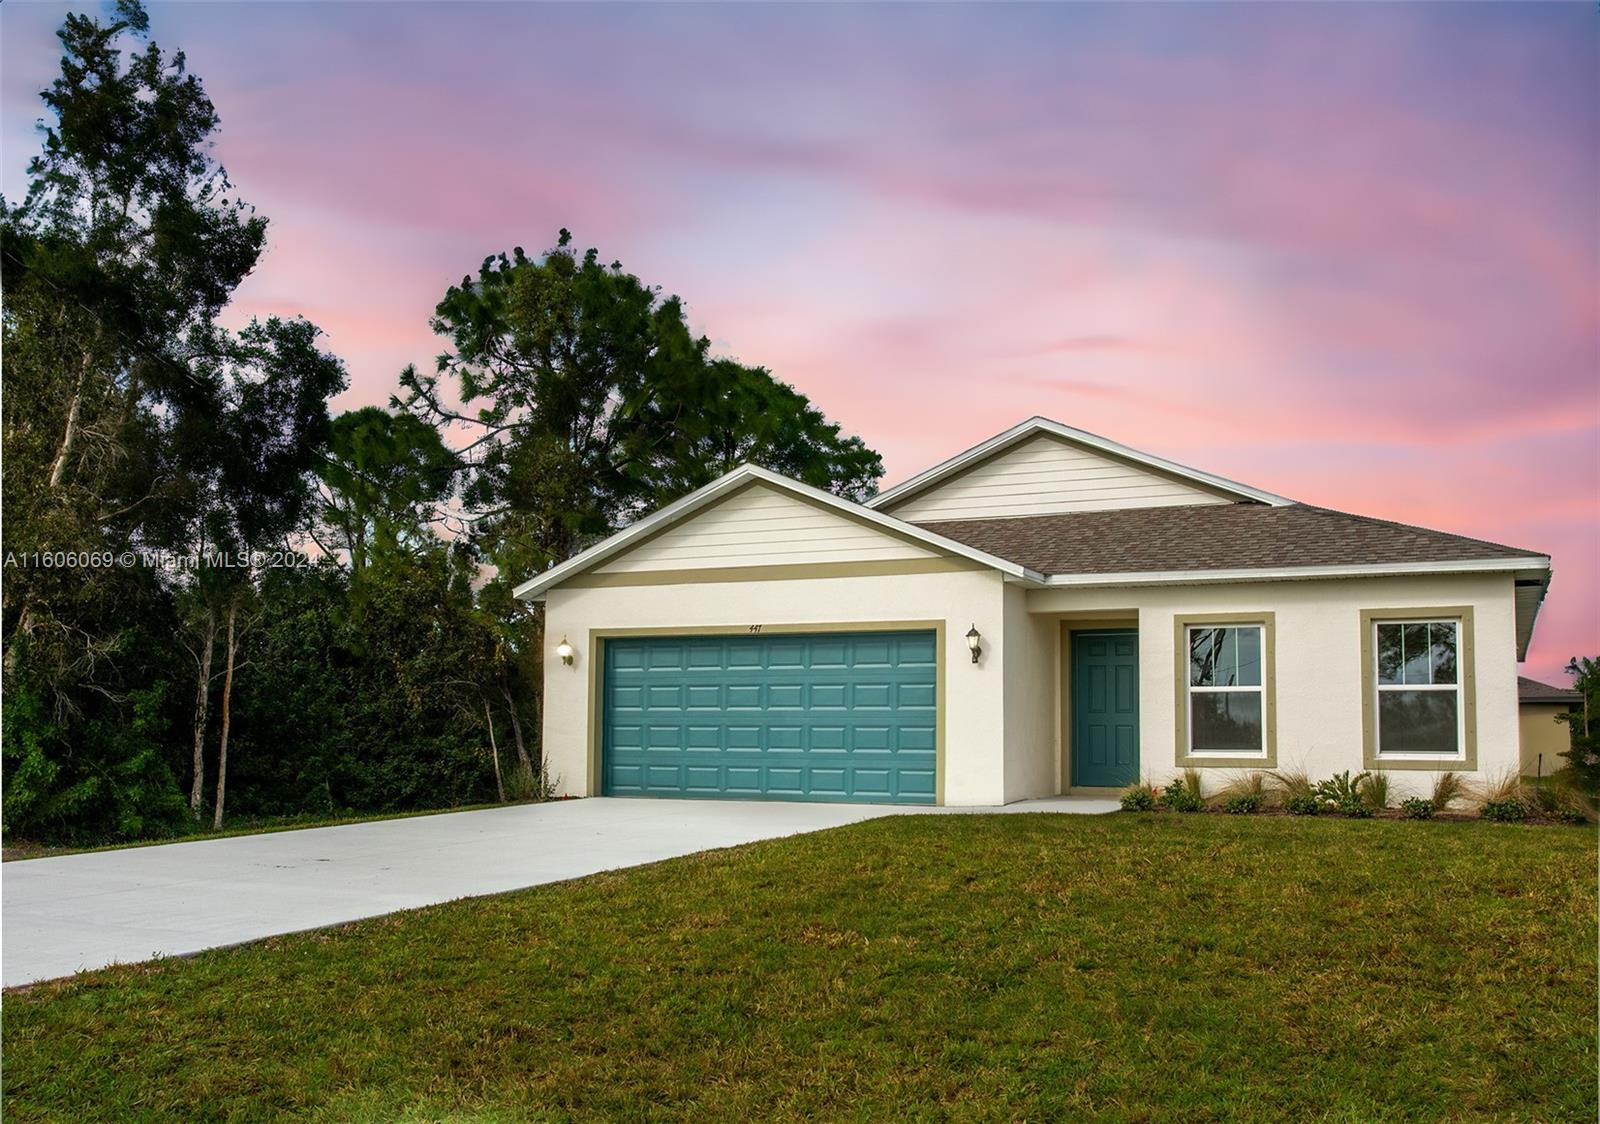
(761, 526)
(1043, 476)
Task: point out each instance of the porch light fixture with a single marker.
(564, 650)
(975, 642)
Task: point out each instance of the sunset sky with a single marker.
(1350, 255)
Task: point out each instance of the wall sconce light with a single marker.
(975, 642)
(564, 650)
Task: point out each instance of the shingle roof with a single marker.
(1531, 690)
(1231, 536)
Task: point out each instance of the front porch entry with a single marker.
(1105, 707)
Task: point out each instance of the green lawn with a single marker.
(1049, 967)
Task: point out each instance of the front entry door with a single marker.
(1105, 708)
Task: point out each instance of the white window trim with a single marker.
(1379, 688)
(1257, 689)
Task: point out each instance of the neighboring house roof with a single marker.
(1034, 426)
(744, 475)
(1216, 537)
(1533, 691)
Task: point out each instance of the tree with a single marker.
(1584, 756)
(384, 481)
(250, 459)
(589, 396)
(131, 419)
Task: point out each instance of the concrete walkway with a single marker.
(75, 912)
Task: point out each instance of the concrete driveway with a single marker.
(76, 912)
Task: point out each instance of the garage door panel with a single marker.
(836, 716)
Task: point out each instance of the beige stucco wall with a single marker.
(1542, 734)
(974, 696)
(1030, 700)
(1319, 671)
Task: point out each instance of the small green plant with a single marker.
(1184, 794)
(1560, 796)
(1138, 798)
(1242, 803)
(1503, 811)
(1447, 787)
(1374, 789)
(1505, 799)
(1342, 793)
(1416, 808)
(1303, 804)
(1291, 783)
(1252, 783)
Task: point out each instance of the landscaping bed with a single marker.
(998, 967)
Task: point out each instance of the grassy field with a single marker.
(1049, 967)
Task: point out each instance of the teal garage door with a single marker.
(840, 716)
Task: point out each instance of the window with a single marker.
(1227, 690)
(1418, 685)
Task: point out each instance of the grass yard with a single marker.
(1049, 967)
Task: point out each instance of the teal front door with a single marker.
(839, 716)
(1105, 708)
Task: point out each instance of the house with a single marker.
(1544, 739)
(1047, 612)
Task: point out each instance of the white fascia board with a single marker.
(1537, 563)
(1035, 425)
(534, 588)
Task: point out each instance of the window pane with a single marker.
(1249, 658)
(1416, 654)
(1225, 657)
(1226, 723)
(1389, 656)
(1417, 722)
(1442, 635)
(1205, 651)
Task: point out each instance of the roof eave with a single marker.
(1527, 563)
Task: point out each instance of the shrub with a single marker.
(1374, 791)
(1416, 808)
(1342, 793)
(1184, 793)
(1447, 787)
(1560, 796)
(1242, 803)
(1503, 811)
(1138, 798)
(1292, 783)
(1303, 805)
(1252, 783)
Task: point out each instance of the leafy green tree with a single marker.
(590, 402)
(385, 481)
(131, 420)
(1584, 756)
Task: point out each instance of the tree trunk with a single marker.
(58, 474)
(516, 733)
(69, 438)
(201, 701)
(24, 625)
(499, 785)
(227, 698)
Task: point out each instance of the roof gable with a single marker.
(1042, 467)
(760, 524)
(706, 557)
